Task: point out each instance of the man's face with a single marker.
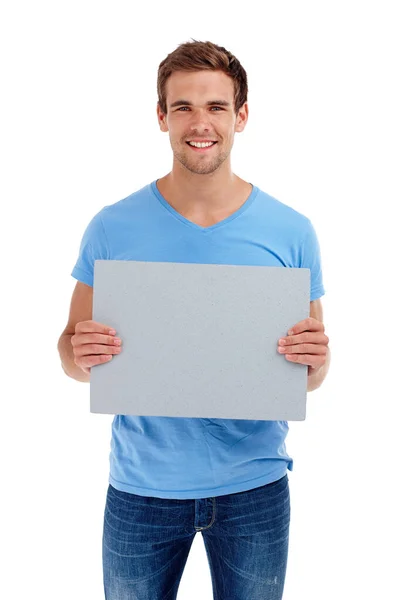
(200, 108)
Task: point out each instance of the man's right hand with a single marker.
(93, 344)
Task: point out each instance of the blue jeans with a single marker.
(146, 543)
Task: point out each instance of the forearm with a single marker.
(67, 360)
(315, 379)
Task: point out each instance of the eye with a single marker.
(184, 108)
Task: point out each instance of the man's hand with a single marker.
(93, 344)
(306, 344)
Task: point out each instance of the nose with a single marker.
(200, 121)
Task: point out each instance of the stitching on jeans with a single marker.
(214, 515)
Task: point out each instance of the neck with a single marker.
(208, 193)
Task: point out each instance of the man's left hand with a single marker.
(306, 344)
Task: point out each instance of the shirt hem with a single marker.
(207, 493)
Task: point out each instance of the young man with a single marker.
(172, 477)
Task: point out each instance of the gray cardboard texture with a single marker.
(199, 340)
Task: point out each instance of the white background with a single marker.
(79, 131)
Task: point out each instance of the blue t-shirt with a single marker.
(175, 457)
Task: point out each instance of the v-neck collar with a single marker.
(177, 215)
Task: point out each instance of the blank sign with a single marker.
(199, 340)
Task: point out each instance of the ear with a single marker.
(162, 118)
(242, 117)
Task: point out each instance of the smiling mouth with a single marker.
(201, 149)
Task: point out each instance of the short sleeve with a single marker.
(310, 258)
(93, 247)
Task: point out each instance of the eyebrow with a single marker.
(209, 103)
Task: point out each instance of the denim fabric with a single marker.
(146, 543)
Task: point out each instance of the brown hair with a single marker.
(198, 56)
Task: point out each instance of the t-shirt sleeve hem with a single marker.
(82, 275)
(317, 293)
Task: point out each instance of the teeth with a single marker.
(201, 144)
